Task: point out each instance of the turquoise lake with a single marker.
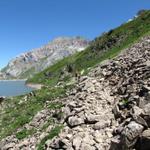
(13, 88)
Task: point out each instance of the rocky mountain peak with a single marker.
(38, 59)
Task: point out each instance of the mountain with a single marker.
(97, 99)
(34, 61)
(101, 48)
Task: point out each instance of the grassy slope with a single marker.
(14, 114)
(104, 47)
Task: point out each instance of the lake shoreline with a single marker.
(13, 80)
(34, 86)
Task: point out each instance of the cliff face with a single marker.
(36, 60)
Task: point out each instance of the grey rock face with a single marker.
(38, 59)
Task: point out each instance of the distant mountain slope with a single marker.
(104, 47)
(38, 59)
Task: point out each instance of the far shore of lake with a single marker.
(14, 80)
(31, 85)
(34, 86)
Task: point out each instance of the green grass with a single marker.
(104, 47)
(54, 132)
(55, 105)
(47, 124)
(27, 73)
(24, 133)
(55, 72)
(15, 114)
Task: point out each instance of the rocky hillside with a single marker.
(37, 60)
(110, 108)
(104, 47)
(106, 110)
(97, 99)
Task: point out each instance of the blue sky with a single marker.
(28, 24)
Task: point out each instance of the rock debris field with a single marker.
(109, 109)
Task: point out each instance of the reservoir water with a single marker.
(13, 88)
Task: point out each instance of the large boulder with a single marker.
(130, 135)
(74, 121)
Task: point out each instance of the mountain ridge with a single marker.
(34, 61)
(103, 47)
